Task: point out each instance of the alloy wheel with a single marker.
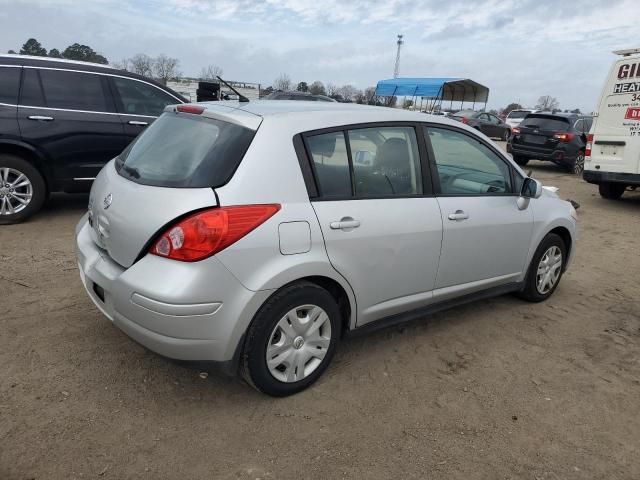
(549, 270)
(298, 343)
(16, 191)
(578, 166)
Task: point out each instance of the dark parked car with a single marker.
(61, 121)
(298, 96)
(559, 138)
(487, 123)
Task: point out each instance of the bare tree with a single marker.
(370, 94)
(142, 64)
(211, 72)
(347, 92)
(317, 88)
(166, 68)
(283, 82)
(332, 89)
(547, 103)
(122, 64)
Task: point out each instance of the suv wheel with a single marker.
(522, 161)
(291, 340)
(545, 270)
(611, 191)
(22, 189)
(578, 164)
(506, 135)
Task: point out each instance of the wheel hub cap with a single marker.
(549, 270)
(298, 343)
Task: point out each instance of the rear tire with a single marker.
(22, 189)
(506, 135)
(545, 270)
(522, 161)
(611, 191)
(291, 340)
(578, 164)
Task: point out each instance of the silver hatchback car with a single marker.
(256, 235)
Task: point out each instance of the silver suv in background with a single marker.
(257, 235)
(515, 117)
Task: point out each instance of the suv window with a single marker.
(546, 122)
(73, 90)
(9, 85)
(331, 164)
(466, 166)
(31, 93)
(385, 161)
(140, 98)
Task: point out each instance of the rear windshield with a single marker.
(187, 151)
(546, 122)
(518, 114)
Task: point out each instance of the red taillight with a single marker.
(587, 148)
(465, 120)
(563, 137)
(207, 232)
(515, 131)
(194, 109)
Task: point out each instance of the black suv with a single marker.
(559, 138)
(61, 121)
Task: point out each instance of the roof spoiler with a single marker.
(627, 52)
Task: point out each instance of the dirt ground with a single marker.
(499, 389)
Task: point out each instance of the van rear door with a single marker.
(616, 129)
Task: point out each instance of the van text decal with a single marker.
(626, 87)
(629, 70)
(633, 113)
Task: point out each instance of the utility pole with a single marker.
(396, 70)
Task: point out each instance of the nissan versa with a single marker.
(257, 235)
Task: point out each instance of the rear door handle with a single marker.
(136, 122)
(41, 118)
(345, 223)
(459, 215)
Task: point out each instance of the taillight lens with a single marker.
(193, 109)
(515, 131)
(563, 137)
(587, 148)
(207, 232)
(465, 120)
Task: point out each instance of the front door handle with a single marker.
(136, 122)
(346, 223)
(459, 215)
(41, 118)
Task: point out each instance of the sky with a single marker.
(520, 49)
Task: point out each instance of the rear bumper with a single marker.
(597, 177)
(185, 311)
(559, 155)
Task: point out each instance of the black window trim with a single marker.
(310, 175)
(436, 179)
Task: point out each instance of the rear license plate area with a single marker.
(537, 139)
(99, 291)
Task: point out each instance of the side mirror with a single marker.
(531, 188)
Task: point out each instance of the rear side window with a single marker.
(74, 90)
(546, 123)
(140, 98)
(185, 151)
(31, 94)
(9, 85)
(331, 164)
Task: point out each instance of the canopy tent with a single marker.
(434, 89)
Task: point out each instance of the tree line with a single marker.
(72, 52)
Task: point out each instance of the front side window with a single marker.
(9, 85)
(385, 161)
(73, 90)
(140, 98)
(466, 166)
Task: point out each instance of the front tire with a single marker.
(506, 135)
(22, 189)
(545, 270)
(611, 191)
(291, 340)
(578, 164)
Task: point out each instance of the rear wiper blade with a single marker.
(133, 171)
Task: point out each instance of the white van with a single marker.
(612, 156)
(515, 117)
